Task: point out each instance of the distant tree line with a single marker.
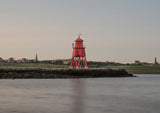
(99, 64)
(56, 62)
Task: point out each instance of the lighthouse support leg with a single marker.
(72, 63)
(85, 63)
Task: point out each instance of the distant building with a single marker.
(1, 59)
(11, 60)
(19, 61)
(155, 61)
(36, 59)
(66, 61)
(24, 60)
(137, 62)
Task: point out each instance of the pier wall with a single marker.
(22, 73)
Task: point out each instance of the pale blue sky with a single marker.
(113, 30)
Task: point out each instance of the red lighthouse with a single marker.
(79, 56)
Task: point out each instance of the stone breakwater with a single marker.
(44, 73)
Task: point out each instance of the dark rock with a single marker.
(22, 73)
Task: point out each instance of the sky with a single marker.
(112, 30)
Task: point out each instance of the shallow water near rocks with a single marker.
(91, 95)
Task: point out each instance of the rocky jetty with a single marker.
(42, 73)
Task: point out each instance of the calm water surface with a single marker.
(94, 95)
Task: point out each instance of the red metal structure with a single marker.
(79, 56)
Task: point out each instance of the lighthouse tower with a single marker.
(79, 56)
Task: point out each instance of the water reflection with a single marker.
(78, 95)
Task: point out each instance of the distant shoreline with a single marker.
(131, 68)
(144, 72)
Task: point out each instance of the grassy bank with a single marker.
(143, 68)
(138, 69)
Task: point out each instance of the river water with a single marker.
(92, 95)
